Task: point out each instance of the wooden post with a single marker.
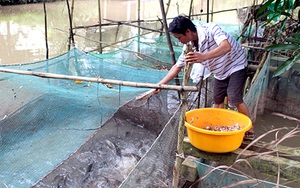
(180, 153)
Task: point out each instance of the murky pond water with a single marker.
(270, 121)
(22, 27)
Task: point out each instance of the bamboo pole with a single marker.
(100, 27)
(46, 30)
(207, 11)
(190, 11)
(139, 17)
(72, 9)
(200, 87)
(180, 154)
(263, 60)
(150, 20)
(168, 6)
(71, 35)
(212, 10)
(202, 75)
(112, 24)
(129, 24)
(107, 45)
(101, 80)
(252, 47)
(172, 53)
(142, 54)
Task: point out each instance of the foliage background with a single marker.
(283, 30)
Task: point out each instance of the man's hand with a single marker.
(156, 91)
(195, 57)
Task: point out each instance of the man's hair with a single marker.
(180, 24)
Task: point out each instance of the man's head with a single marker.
(180, 24)
(182, 28)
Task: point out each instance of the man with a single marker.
(220, 53)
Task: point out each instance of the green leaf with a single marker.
(282, 47)
(265, 14)
(283, 24)
(296, 4)
(287, 4)
(293, 40)
(296, 35)
(286, 14)
(286, 65)
(276, 4)
(274, 15)
(264, 6)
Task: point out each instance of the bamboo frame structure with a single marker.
(150, 20)
(182, 89)
(101, 80)
(130, 24)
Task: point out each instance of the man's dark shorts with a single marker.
(233, 87)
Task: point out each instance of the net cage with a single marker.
(45, 119)
(58, 132)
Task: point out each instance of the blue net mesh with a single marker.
(44, 120)
(144, 53)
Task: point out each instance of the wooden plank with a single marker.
(267, 164)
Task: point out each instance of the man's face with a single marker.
(183, 38)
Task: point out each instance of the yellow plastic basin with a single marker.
(216, 141)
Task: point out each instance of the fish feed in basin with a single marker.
(216, 130)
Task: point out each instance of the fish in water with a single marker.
(223, 128)
(114, 148)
